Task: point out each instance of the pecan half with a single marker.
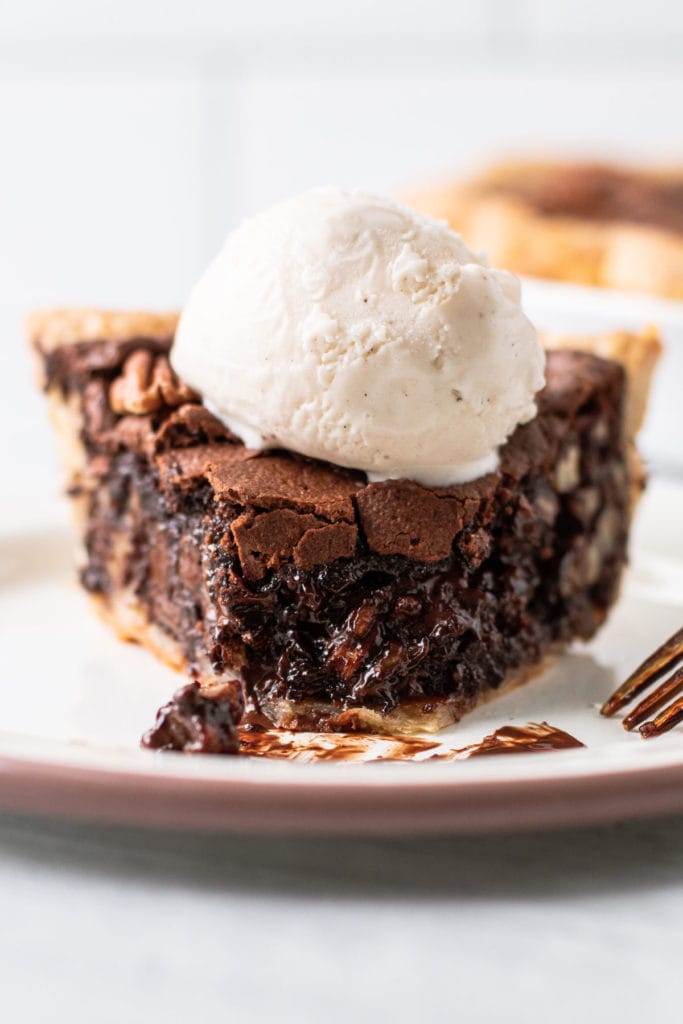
(147, 384)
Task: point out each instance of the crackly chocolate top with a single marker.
(283, 507)
(602, 193)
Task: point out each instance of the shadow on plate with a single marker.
(584, 862)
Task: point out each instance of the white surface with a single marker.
(106, 926)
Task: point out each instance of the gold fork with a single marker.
(666, 659)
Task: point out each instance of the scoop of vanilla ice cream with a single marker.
(348, 328)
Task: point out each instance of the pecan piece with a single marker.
(147, 384)
(567, 473)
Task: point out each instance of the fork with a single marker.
(668, 658)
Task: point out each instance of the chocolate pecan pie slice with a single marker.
(584, 222)
(336, 603)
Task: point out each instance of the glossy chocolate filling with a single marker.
(603, 194)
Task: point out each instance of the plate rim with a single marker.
(260, 806)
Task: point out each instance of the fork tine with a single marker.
(655, 700)
(648, 672)
(664, 721)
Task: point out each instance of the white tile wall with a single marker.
(234, 19)
(134, 134)
(102, 201)
(608, 18)
(101, 174)
(382, 131)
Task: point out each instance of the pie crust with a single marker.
(495, 212)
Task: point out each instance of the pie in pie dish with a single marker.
(588, 223)
(323, 599)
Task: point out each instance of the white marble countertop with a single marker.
(103, 924)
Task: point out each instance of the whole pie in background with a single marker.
(589, 223)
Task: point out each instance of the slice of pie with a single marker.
(326, 601)
(584, 222)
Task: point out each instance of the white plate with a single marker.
(75, 700)
(580, 309)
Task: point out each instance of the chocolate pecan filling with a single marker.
(322, 589)
(602, 193)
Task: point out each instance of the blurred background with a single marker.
(136, 133)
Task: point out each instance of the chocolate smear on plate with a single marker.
(282, 744)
